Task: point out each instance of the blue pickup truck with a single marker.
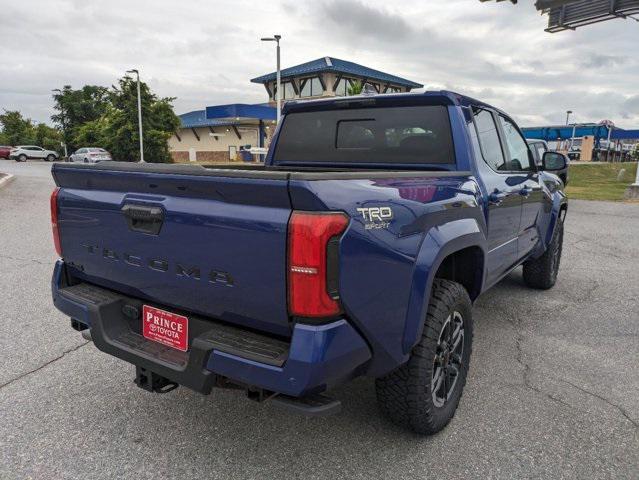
(358, 248)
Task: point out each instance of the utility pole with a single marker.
(139, 114)
(278, 88)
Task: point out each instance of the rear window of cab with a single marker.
(384, 135)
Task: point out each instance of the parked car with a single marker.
(24, 152)
(5, 150)
(358, 248)
(538, 148)
(90, 155)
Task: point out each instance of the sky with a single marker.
(204, 52)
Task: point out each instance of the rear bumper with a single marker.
(315, 358)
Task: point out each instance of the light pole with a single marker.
(609, 125)
(568, 112)
(64, 128)
(636, 184)
(278, 91)
(139, 114)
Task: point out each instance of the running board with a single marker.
(313, 405)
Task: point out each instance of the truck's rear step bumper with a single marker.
(316, 357)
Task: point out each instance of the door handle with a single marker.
(497, 197)
(144, 219)
(528, 189)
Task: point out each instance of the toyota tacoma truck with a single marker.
(357, 249)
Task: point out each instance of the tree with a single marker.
(78, 107)
(16, 129)
(91, 133)
(108, 118)
(47, 137)
(120, 124)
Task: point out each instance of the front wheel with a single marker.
(50, 158)
(422, 395)
(542, 272)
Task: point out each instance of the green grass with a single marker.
(598, 181)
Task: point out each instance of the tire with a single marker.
(407, 395)
(50, 158)
(21, 158)
(541, 273)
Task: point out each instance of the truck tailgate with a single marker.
(197, 240)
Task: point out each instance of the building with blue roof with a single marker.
(220, 133)
(329, 76)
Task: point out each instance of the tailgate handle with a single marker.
(144, 219)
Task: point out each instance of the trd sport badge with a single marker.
(376, 217)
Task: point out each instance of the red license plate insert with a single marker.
(164, 327)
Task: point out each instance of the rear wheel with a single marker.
(22, 158)
(542, 272)
(423, 394)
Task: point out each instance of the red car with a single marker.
(4, 151)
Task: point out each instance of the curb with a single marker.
(6, 179)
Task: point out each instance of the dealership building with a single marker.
(218, 133)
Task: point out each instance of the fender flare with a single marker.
(438, 243)
(559, 203)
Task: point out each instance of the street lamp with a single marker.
(574, 127)
(64, 127)
(139, 113)
(278, 92)
(568, 112)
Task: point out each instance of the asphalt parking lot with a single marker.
(553, 390)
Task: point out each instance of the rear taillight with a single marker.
(54, 221)
(312, 263)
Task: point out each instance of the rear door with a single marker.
(504, 201)
(203, 243)
(521, 163)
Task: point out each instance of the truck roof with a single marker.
(437, 97)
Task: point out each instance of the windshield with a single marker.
(399, 135)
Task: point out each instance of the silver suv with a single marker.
(24, 152)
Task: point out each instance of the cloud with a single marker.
(204, 52)
(597, 60)
(361, 21)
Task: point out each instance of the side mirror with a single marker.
(554, 161)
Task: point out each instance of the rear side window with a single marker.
(489, 139)
(400, 135)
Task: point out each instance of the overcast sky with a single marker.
(205, 51)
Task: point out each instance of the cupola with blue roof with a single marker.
(329, 76)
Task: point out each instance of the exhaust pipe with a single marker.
(86, 334)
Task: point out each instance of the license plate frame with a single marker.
(164, 327)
